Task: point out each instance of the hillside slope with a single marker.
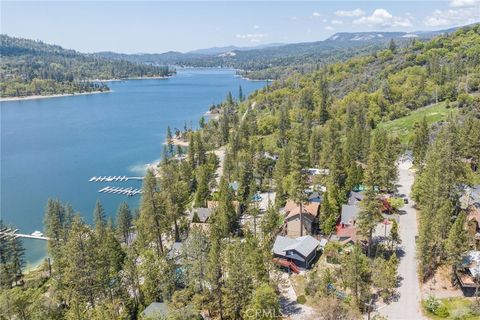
(31, 67)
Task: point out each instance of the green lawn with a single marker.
(458, 308)
(403, 126)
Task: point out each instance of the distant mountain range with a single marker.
(372, 36)
(278, 55)
(220, 50)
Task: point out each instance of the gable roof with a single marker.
(355, 197)
(304, 245)
(309, 208)
(349, 213)
(156, 309)
(203, 213)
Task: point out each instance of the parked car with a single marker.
(405, 200)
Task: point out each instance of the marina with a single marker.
(124, 191)
(113, 178)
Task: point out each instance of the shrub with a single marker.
(301, 299)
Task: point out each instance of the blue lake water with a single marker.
(51, 147)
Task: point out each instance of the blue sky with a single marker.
(159, 26)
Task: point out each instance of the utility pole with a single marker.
(369, 308)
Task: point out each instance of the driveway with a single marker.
(407, 306)
(289, 307)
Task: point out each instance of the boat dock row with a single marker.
(125, 191)
(113, 178)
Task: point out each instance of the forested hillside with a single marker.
(32, 67)
(327, 119)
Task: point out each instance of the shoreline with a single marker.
(59, 95)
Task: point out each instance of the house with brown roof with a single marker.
(309, 218)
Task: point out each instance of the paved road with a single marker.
(407, 307)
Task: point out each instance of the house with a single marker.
(309, 216)
(175, 252)
(200, 215)
(160, 310)
(346, 229)
(468, 272)
(349, 215)
(470, 197)
(156, 310)
(302, 250)
(355, 197)
(345, 234)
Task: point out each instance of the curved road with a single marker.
(407, 307)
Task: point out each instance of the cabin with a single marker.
(309, 218)
(355, 197)
(156, 310)
(200, 215)
(470, 197)
(349, 215)
(346, 229)
(468, 271)
(301, 250)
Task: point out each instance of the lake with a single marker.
(50, 148)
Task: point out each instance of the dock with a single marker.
(10, 233)
(113, 178)
(123, 191)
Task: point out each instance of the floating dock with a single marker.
(124, 191)
(113, 178)
(8, 233)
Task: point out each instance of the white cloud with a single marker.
(293, 18)
(383, 18)
(336, 22)
(255, 40)
(464, 3)
(324, 20)
(251, 36)
(256, 27)
(352, 13)
(451, 17)
(316, 14)
(329, 28)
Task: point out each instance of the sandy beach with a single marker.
(6, 99)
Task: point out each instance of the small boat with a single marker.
(37, 233)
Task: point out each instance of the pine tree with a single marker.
(191, 150)
(99, 219)
(81, 265)
(356, 275)
(457, 241)
(324, 96)
(203, 190)
(169, 141)
(392, 46)
(264, 304)
(238, 284)
(420, 141)
(124, 222)
(195, 259)
(152, 221)
(298, 176)
(385, 276)
(241, 97)
(369, 216)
